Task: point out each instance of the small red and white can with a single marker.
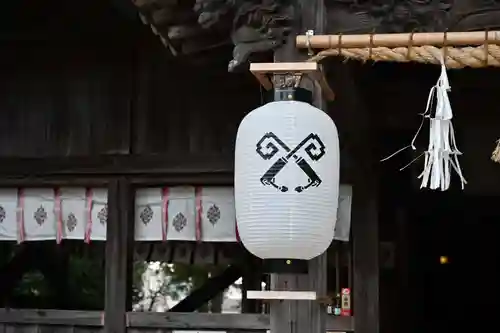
(345, 307)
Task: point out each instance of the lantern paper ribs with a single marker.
(286, 180)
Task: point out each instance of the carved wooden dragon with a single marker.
(260, 26)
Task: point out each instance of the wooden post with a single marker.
(404, 301)
(119, 254)
(302, 316)
(251, 281)
(354, 123)
(366, 260)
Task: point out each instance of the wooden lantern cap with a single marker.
(262, 71)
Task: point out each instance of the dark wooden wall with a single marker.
(186, 110)
(59, 100)
(94, 82)
(66, 84)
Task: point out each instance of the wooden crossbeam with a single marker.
(48, 317)
(198, 321)
(399, 39)
(155, 320)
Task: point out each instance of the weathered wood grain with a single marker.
(93, 321)
(352, 115)
(60, 102)
(302, 316)
(52, 317)
(197, 321)
(19, 328)
(119, 254)
(119, 165)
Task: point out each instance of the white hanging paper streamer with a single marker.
(442, 151)
(99, 214)
(8, 214)
(181, 214)
(218, 222)
(148, 214)
(73, 212)
(39, 218)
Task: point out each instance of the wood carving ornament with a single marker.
(396, 16)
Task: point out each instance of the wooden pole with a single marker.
(119, 255)
(289, 316)
(355, 122)
(398, 40)
(302, 316)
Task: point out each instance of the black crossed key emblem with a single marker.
(269, 145)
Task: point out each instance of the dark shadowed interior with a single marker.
(462, 294)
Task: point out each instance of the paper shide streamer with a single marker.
(442, 152)
(495, 155)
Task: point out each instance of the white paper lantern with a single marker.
(286, 180)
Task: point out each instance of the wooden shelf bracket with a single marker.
(270, 295)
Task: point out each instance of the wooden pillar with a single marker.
(251, 281)
(119, 254)
(290, 316)
(302, 316)
(366, 261)
(356, 127)
(317, 280)
(404, 301)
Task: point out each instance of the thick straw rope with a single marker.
(481, 56)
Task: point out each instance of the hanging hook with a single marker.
(370, 50)
(410, 45)
(339, 45)
(485, 46)
(445, 47)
